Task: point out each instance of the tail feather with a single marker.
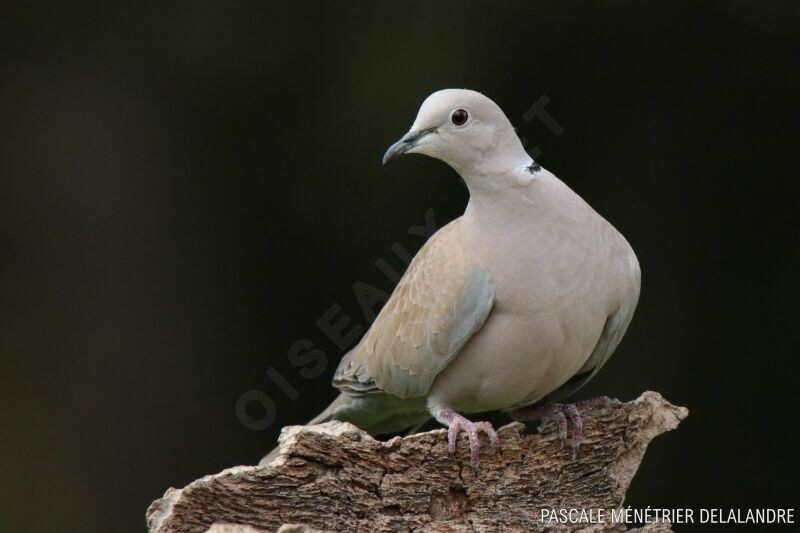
(324, 416)
(377, 414)
(327, 414)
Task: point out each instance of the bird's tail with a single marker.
(324, 416)
(377, 414)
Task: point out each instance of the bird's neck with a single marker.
(514, 199)
(497, 166)
(502, 180)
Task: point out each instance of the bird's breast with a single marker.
(558, 275)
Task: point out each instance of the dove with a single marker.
(510, 307)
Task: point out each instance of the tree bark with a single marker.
(335, 477)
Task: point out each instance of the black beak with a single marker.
(406, 143)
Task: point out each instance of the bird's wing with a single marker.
(614, 329)
(442, 299)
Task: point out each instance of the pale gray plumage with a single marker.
(522, 298)
(444, 297)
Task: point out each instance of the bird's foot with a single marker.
(563, 415)
(457, 423)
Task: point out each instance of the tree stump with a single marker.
(335, 477)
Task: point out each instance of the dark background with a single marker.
(186, 188)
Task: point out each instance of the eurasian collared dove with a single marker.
(519, 301)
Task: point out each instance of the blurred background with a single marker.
(186, 188)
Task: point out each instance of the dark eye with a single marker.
(459, 117)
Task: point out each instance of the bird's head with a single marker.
(467, 131)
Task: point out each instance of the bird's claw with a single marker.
(458, 424)
(563, 415)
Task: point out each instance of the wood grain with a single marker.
(335, 477)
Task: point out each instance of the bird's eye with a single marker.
(459, 117)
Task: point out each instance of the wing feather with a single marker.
(615, 327)
(440, 302)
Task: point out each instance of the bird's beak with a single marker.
(406, 143)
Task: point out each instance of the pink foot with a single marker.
(457, 423)
(561, 414)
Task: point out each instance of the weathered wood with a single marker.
(335, 477)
